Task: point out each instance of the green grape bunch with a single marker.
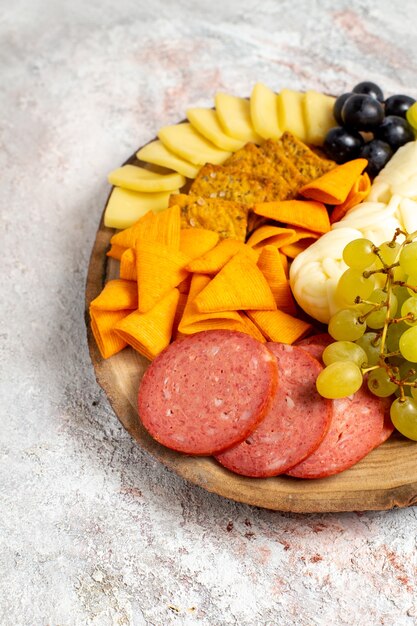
(376, 331)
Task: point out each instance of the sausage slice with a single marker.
(207, 392)
(360, 424)
(294, 425)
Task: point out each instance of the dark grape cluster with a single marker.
(369, 126)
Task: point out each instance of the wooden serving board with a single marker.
(385, 479)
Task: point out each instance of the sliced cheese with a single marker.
(141, 179)
(234, 115)
(318, 116)
(290, 112)
(264, 112)
(206, 122)
(189, 144)
(156, 153)
(125, 207)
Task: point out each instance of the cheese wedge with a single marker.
(126, 207)
(186, 142)
(235, 118)
(141, 179)
(207, 123)
(156, 153)
(318, 116)
(291, 112)
(264, 112)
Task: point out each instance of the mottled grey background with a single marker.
(93, 531)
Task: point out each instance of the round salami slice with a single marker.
(315, 344)
(208, 391)
(294, 425)
(360, 424)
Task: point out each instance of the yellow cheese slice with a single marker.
(207, 123)
(291, 112)
(186, 142)
(125, 207)
(234, 115)
(141, 179)
(156, 153)
(264, 112)
(318, 116)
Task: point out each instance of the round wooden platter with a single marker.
(385, 479)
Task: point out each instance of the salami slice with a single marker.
(360, 424)
(294, 425)
(208, 391)
(315, 344)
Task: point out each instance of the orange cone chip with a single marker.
(215, 259)
(271, 235)
(117, 295)
(149, 333)
(194, 321)
(240, 285)
(271, 266)
(128, 265)
(304, 213)
(102, 326)
(159, 270)
(194, 242)
(334, 186)
(279, 326)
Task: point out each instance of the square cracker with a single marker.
(225, 217)
(254, 160)
(309, 165)
(231, 183)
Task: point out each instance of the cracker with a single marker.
(309, 165)
(229, 183)
(225, 217)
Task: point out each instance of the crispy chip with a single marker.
(162, 227)
(102, 326)
(240, 285)
(215, 259)
(159, 269)
(116, 295)
(271, 235)
(307, 214)
(128, 265)
(197, 241)
(225, 217)
(279, 326)
(271, 266)
(149, 333)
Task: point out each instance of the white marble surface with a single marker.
(94, 531)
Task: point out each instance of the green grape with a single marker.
(413, 392)
(352, 284)
(411, 115)
(371, 344)
(401, 294)
(359, 254)
(408, 344)
(411, 281)
(339, 379)
(410, 306)
(344, 351)
(408, 258)
(404, 416)
(389, 251)
(379, 383)
(398, 274)
(346, 325)
(378, 317)
(393, 336)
